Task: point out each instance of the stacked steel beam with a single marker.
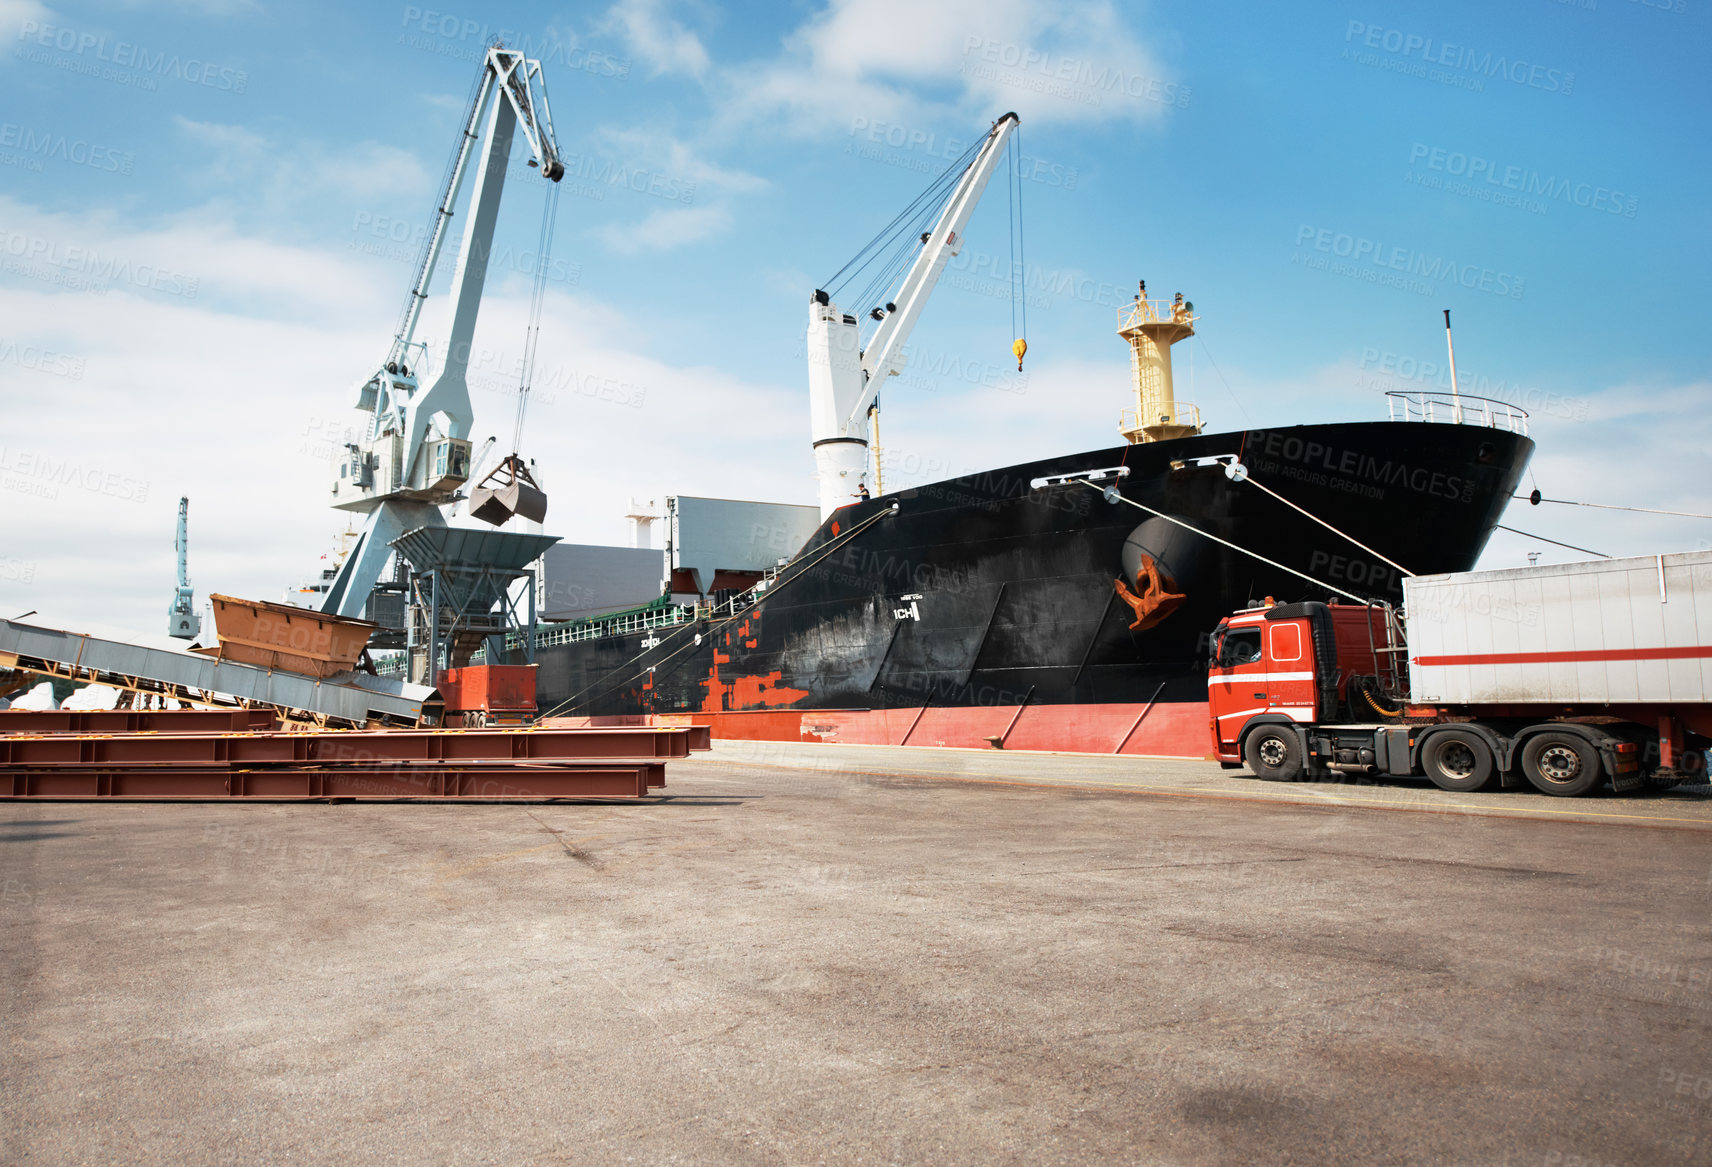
(181, 755)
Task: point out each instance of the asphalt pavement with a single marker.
(808, 954)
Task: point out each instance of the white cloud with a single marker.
(969, 59)
(667, 229)
(239, 396)
(14, 15)
(446, 101)
(202, 7)
(1624, 446)
(196, 259)
(284, 175)
(704, 182)
(666, 153)
(1628, 446)
(659, 41)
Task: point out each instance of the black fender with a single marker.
(1595, 735)
(1260, 719)
(1496, 742)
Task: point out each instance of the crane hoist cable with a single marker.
(886, 258)
(896, 263)
(510, 488)
(931, 199)
(1019, 258)
(537, 301)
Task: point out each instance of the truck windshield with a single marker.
(1240, 646)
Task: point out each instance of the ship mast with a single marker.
(1151, 327)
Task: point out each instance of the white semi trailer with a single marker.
(1563, 676)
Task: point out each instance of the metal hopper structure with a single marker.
(460, 593)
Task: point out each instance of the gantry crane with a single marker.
(845, 376)
(417, 452)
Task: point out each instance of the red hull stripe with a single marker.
(1688, 652)
(1178, 729)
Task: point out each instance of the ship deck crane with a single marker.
(844, 375)
(181, 619)
(417, 452)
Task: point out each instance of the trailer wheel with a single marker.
(1274, 753)
(1456, 759)
(1563, 764)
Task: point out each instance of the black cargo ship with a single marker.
(1022, 606)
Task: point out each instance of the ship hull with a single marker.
(985, 611)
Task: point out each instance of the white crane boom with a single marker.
(417, 452)
(844, 379)
(518, 77)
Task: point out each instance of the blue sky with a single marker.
(208, 209)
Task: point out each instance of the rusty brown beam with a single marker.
(93, 721)
(345, 747)
(385, 764)
(565, 781)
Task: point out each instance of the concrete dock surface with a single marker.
(822, 954)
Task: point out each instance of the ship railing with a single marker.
(1138, 312)
(619, 624)
(726, 607)
(625, 623)
(1457, 409)
(1180, 414)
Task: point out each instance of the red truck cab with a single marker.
(1295, 664)
(1258, 673)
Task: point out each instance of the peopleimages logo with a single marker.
(462, 38)
(1073, 78)
(95, 266)
(1407, 261)
(1522, 180)
(50, 146)
(1421, 56)
(41, 360)
(125, 55)
(936, 150)
(33, 472)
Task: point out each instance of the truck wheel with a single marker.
(1274, 753)
(1564, 764)
(1457, 759)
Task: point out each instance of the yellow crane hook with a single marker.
(1019, 348)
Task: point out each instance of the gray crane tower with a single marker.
(181, 619)
(416, 454)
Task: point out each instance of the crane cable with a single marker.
(532, 335)
(1535, 500)
(1019, 258)
(1343, 534)
(1225, 542)
(926, 201)
(1554, 542)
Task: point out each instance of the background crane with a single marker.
(181, 619)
